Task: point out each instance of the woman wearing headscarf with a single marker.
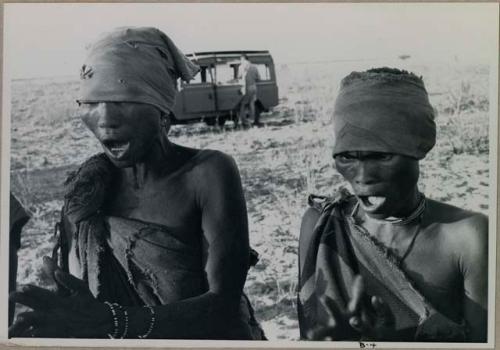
(154, 236)
(386, 262)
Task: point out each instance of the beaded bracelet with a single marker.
(115, 320)
(151, 323)
(125, 316)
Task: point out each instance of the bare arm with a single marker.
(225, 258)
(258, 78)
(214, 314)
(474, 267)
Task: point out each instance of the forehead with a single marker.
(119, 105)
(365, 153)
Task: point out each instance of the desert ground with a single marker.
(280, 164)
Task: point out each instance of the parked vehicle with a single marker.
(215, 93)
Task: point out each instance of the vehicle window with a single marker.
(203, 76)
(264, 71)
(227, 73)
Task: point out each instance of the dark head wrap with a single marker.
(134, 65)
(384, 110)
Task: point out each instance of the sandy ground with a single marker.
(280, 165)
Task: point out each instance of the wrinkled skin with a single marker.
(392, 176)
(135, 123)
(205, 202)
(448, 263)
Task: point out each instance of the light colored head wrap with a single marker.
(384, 110)
(134, 65)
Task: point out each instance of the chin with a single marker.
(121, 163)
(378, 216)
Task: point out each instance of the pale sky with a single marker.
(42, 40)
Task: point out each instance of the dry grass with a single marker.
(280, 165)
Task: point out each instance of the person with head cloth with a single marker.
(154, 235)
(386, 263)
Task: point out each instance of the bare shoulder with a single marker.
(215, 177)
(464, 229)
(448, 214)
(215, 164)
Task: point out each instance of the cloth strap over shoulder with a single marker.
(335, 254)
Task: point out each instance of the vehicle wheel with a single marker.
(210, 121)
(220, 121)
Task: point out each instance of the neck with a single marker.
(411, 203)
(160, 160)
(414, 208)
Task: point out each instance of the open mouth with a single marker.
(116, 148)
(371, 203)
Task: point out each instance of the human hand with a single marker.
(362, 319)
(70, 311)
(438, 327)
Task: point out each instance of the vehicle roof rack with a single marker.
(215, 53)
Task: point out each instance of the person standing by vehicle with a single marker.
(251, 76)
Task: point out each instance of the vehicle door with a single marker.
(228, 85)
(267, 89)
(197, 98)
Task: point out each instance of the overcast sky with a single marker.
(49, 39)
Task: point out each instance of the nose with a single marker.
(364, 173)
(109, 116)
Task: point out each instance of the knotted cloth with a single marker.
(383, 110)
(139, 65)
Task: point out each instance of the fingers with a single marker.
(332, 309)
(335, 317)
(384, 315)
(358, 289)
(355, 323)
(361, 322)
(49, 268)
(35, 297)
(379, 315)
(337, 327)
(70, 282)
(24, 322)
(321, 333)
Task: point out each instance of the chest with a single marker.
(430, 262)
(170, 202)
(433, 267)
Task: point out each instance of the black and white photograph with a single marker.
(249, 174)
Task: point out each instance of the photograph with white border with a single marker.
(249, 174)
